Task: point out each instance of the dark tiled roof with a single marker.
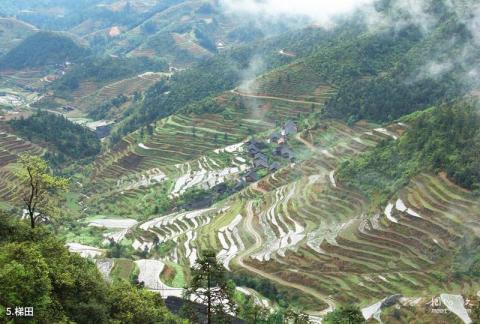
(260, 163)
(290, 127)
(275, 166)
(261, 156)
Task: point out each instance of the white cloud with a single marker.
(321, 11)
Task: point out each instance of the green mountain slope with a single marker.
(12, 32)
(48, 48)
(441, 139)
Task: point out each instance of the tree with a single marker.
(131, 305)
(253, 313)
(40, 188)
(348, 314)
(24, 279)
(295, 317)
(210, 287)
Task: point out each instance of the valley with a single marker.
(295, 155)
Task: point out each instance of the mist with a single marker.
(320, 12)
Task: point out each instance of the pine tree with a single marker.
(210, 287)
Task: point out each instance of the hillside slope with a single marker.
(49, 48)
(12, 32)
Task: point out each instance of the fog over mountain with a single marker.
(319, 11)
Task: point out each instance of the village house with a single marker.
(260, 156)
(252, 176)
(68, 108)
(274, 167)
(285, 152)
(252, 149)
(259, 163)
(289, 128)
(275, 137)
(261, 145)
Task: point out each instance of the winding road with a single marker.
(299, 138)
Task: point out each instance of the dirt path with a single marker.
(275, 98)
(299, 138)
(258, 243)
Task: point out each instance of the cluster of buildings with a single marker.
(256, 149)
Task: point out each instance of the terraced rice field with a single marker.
(322, 236)
(298, 227)
(313, 233)
(198, 136)
(292, 82)
(90, 95)
(125, 173)
(188, 43)
(11, 147)
(300, 210)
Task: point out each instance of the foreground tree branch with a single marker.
(40, 189)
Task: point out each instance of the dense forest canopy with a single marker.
(48, 48)
(444, 138)
(67, 139)
(36, 270)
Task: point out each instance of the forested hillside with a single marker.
(441, 139)
(12, 32)
(49, 48)
(36, 270)
(224, 72)
(66, 139)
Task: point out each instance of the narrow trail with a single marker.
(242, 94)
(299, 138)
(258, 244)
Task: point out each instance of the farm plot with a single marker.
(120, 227)
(11, 147)
(294, 82)
(84, 250)
(91, 97)
(175, 141)
(150, 271)
(368, 257)
(179, 228)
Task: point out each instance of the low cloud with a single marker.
(318, 11)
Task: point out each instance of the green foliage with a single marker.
(212, 76)
(209, 78)
(210, 287)
(348, 314)
(206, 106)
(36, 270)
(389, 74)
(446, 138)
(39, 189)
(104, 69)
(70, 140)
(24, 276)
(49, 48)
(102, 111)
(263, 286)
(131, 305)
